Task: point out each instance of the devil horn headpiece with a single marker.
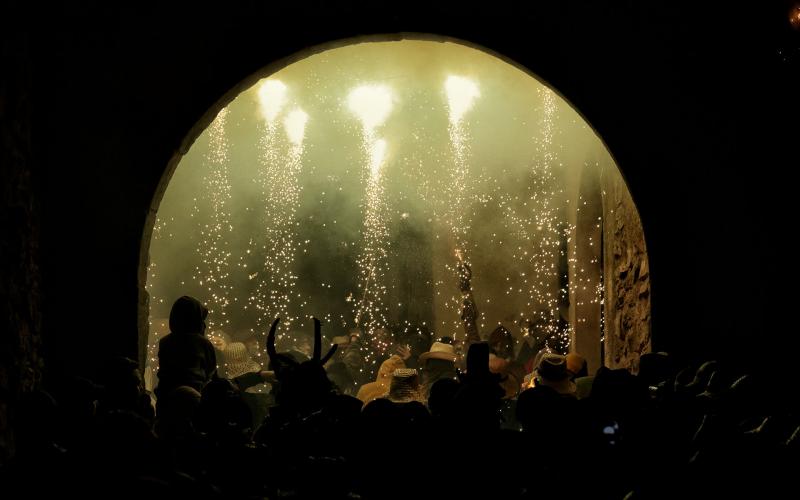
(273, 354)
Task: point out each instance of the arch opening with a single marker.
(360, 183)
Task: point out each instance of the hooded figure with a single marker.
(185, 356)
(380, 387)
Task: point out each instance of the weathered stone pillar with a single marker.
(627, 279)
(21, 362)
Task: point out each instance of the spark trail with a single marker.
(213, 271)
(372, 104)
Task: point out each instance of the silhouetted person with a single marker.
(501, 361)
(655, 368)
(437, 364)
(417, 340)
(480, 394)
(123, 389)
(501, 343)
(185, 356)
(552, 372)
(238, 364)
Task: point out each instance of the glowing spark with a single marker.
(448, 192)
(461, 94)
(272, 96)
(281, 191)
(372, 104)
(214, 271)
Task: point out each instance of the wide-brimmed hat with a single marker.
(238, 360)
(439, 350)
(404, 386)
(552, 371)
(553, 367)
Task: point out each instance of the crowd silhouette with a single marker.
(426, 424)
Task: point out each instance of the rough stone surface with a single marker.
(627, 282)
(20, 313)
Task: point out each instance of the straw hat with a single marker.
(238, 361)
(404, 387)
(439, 350)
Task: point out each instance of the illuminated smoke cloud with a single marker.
(272, 97)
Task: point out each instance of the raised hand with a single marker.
(404, 351)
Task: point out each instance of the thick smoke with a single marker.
(293, 168)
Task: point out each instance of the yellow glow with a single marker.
(484, 168)
(295, 125)
(377, 154)
(461, 95)
(272, 96)
(372, 104)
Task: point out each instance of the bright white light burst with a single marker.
(272, 96)
(376, 156)
(372, 104)
(295, 125)
(461, 94)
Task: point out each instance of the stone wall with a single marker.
(627, 279)
(20, 312)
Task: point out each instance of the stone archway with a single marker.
(582, 316)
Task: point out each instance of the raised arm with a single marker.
(469, 310)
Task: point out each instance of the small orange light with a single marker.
(794, 17)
